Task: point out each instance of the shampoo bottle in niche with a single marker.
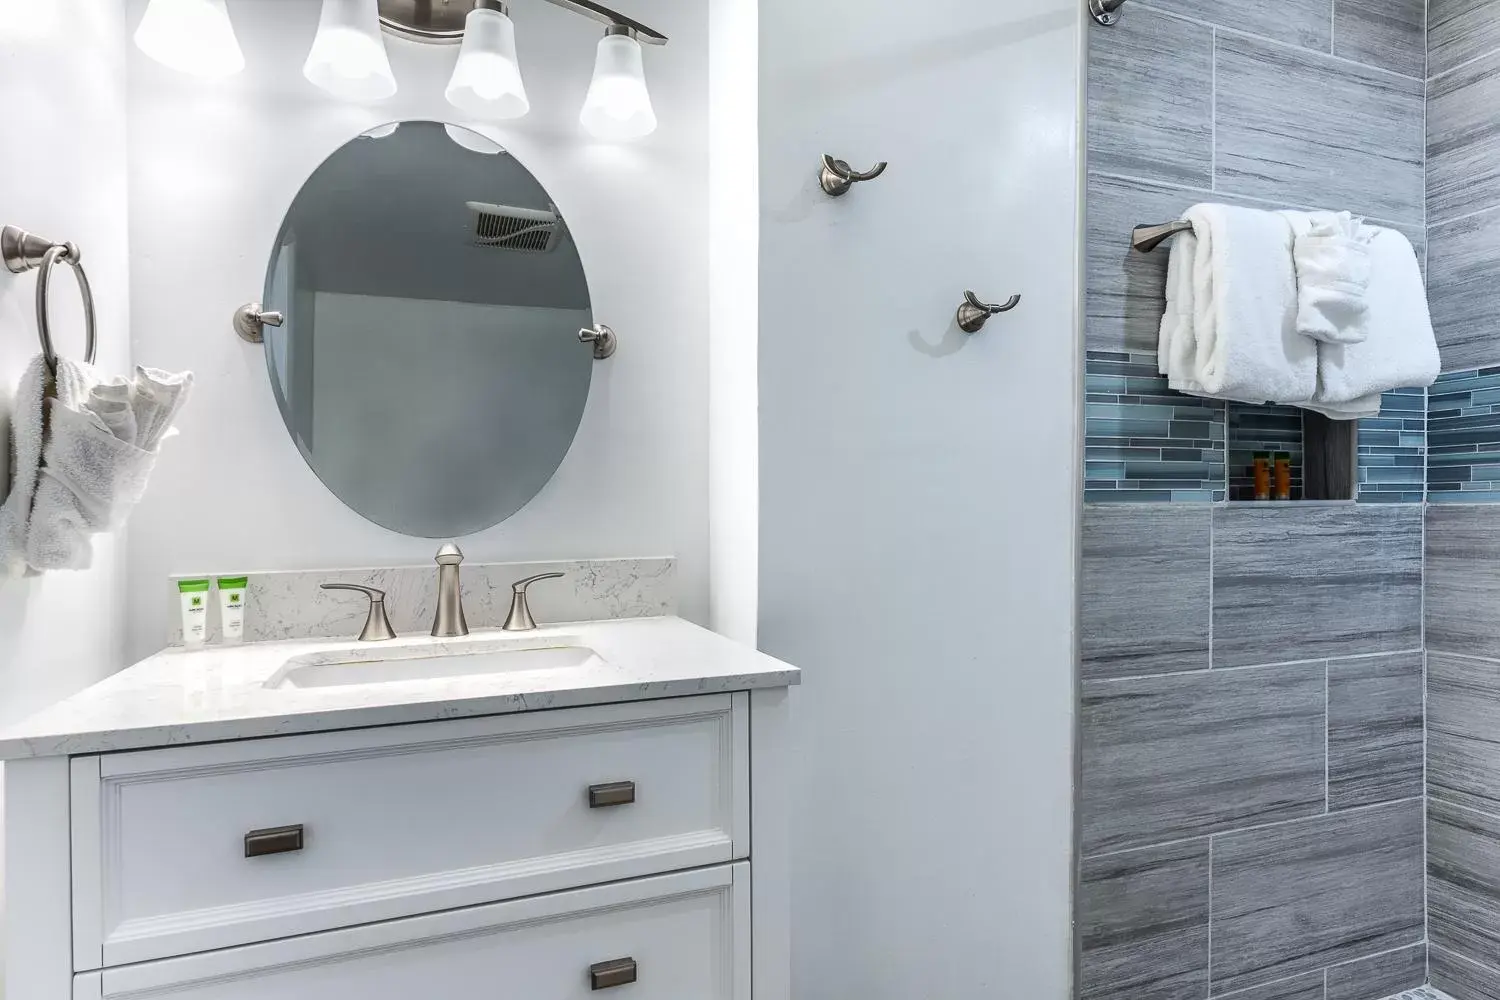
(232, 607)
(194, 595)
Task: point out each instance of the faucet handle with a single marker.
(377, 625)
(519, 619)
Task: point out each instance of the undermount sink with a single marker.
(340, 668)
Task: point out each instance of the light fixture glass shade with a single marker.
(618, 105)
(190, 36)
(487, 81)
(348, 55)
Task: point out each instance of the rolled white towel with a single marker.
(1331, 253)
(85, 474)
(1230, 326)
(1401, 350)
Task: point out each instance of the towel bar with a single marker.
(1148, 238)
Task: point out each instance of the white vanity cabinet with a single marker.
(635, 849)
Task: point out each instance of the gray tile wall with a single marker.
(1463, 180)
(1463, 748)
(1252, 803)
(1251, 720)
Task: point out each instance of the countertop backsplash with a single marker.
(291, 605)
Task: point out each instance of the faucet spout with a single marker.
(449, 621)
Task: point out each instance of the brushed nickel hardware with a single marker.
(250, 322)
(276, 840)
(449, 620)
(377, 625)
(519, 619)
(443, 20)
(973, 314)
(837, 177)
(602, 337)
(1148, 238)
(619, 972)
(1106, 12)
(611, 793)
(22, 251)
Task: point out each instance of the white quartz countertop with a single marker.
(182, 696)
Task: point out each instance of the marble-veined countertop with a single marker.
(181, 696)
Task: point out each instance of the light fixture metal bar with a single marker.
(443, 20)
(604, 15)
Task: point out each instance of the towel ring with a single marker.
(23, 251)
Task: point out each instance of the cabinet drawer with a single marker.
(671, 937)
(184, 850)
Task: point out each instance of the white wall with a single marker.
(734, 335)
(62, 175)
(213, 167)
(62, 69)
(919, 486)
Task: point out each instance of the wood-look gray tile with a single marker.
(1296, 22)
(1460, 30)
(1300, 583)
(1150, 99)
(1183, 755)
(1374, 730)
(1389, 34)
(1296, 897)
(1143, 924)
(1463, 579)
(1126, 291)
(1463, 882)
(1463, 731)
(1380, 976)
(1144, 589)
(1317, 130)
(1463, 270)
(1308, 987)
(1463, 140)
(1461, 978)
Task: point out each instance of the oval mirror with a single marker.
(429, 367)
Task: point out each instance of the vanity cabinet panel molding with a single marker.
(688, 934)
(396, 821)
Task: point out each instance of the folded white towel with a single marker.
(83, 469)
(1400, 351)
(1230, 327)
(1331, 253)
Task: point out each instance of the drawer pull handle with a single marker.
(614, 793)
(620, 972)
(276, 840)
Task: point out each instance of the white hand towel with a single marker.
(1230, 327)
(1332, 256)
(26, 462)
(83, 469)
(1400, 351)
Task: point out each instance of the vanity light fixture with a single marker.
(190, 36)
(618, 105)
(487, 81)
(348, 57)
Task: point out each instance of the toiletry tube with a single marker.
(194, 594)
(232, 607)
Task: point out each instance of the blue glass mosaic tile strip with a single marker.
(1262, 428)
(1463, 437)
(1145, 443)
(1393, 449)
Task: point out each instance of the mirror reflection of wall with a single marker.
(429, 368)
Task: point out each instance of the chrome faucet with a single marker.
(449, 621)
(519, 619)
